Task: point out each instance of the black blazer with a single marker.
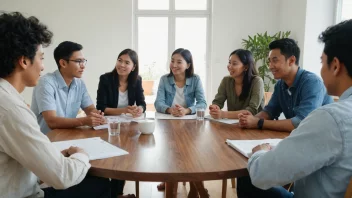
(108, 93)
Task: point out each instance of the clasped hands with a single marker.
(178, 111)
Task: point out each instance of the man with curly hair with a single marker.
(26, 154)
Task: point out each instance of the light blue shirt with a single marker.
(317, 155)
(193, 93)
(52, 93)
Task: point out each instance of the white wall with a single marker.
(232, 21)
(320, 14)
(104, 28)
(306, 19)
(292, 16)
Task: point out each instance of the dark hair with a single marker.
(186, 54)
(20, 36)
(288, 47)
(65, 50)
(247, 59)
(338, 43)
(132, 77)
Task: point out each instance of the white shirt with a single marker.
(123, 99)
(26, 154)
(179, 97)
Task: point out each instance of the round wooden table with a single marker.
(178, 150)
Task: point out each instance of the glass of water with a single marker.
(114, 126)
(200, 113)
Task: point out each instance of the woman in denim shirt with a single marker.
(180, 92)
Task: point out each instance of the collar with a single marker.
(61, 82)
(172, 80)
(10, 89)
(346, 93)
(296, 81)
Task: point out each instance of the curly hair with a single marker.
(20, 36)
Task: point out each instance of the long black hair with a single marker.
(132, 77)
(247, 60)
(186, 54)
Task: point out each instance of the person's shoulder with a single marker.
(12, 106)
(195, 77)
(310, 76)
(47, 78)
(257, 79)
(106, 76)
(165, 77)
(227, 78)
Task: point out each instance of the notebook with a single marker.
(245, 146)
(224, 120)
(163, 116)
(95, 147)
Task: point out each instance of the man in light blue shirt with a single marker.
(317, 156)
(58, 96)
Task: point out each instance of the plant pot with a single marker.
(267, 96)
(148, 87)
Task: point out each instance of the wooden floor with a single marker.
(149, 189)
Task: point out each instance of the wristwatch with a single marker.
(260, 123)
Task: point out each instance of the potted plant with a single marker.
(149, 75)
(259, 46)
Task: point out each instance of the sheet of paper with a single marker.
(163, 116)
(226, 121)
(95, 147)
(245, 146)
(123, 118)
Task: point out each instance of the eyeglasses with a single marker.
(79, 61)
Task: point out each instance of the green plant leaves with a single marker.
(259, 46)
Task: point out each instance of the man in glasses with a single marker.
(59, 95)
(26, 154)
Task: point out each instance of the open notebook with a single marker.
(95, 147)
(245, 146)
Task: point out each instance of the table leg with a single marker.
(224, 186)
(137, 189)
(171, 189)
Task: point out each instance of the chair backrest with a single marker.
(348, 193)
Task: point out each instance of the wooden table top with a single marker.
(178, 150)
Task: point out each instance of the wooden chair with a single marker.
(348, 193)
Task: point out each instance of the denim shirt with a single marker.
(193, 91)
(305, 95)
(317, 156)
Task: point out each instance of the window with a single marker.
(344, 10)
(161, 26)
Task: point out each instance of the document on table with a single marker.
(245, 146)
(163, 116)
(95, 147)
(123, 118)
(223, 120)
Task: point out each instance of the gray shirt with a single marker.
(317, 155)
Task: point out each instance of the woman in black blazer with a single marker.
(120, 91)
